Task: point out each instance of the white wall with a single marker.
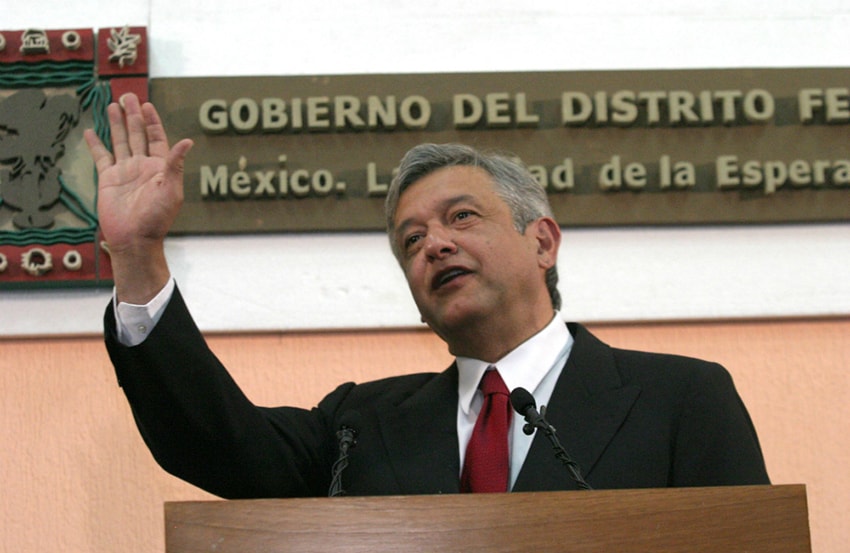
(350, 280)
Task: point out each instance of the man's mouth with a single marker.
(446, 276)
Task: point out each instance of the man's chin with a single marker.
(454, 322)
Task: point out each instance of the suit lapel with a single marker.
(588, 406)
(420, 433)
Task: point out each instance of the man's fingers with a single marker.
(156, 137)
(118, 132)
(181, 149)
(102, 157)
(177, 157)
(136, 133)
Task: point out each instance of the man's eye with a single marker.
(411, 240)
(460, 215)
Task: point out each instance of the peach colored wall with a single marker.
(76, 476)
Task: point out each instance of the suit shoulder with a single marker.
(398, 382)
(681, 374)
(639, 365)
(394, 389)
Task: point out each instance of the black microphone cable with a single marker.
(524, 404)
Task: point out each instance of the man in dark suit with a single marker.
(475, 238)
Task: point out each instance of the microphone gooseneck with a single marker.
(524, 404)
(347, 437)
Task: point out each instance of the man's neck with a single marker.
(494, 340)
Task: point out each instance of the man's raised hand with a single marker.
(140, 191)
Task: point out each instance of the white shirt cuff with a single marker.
(133, 323)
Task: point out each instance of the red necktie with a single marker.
(486, 466)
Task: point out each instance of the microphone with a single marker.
(524, 404)
(347, 437)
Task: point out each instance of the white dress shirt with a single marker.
(535, 365)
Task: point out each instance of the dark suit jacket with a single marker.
(630, 420)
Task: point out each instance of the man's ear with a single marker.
(548, 235)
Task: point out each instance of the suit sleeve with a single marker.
(200, 427)
(715, 443)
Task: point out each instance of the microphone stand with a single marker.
(347, 440)
(560, 453)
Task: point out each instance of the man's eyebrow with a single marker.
(442, 206)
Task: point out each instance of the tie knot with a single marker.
(492, 383)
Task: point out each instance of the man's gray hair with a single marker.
(514, 184)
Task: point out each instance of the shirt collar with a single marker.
(525, 366)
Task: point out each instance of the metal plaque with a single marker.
(316, 153)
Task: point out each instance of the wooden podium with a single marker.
(751, 519)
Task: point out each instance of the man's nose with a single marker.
(439, 243)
